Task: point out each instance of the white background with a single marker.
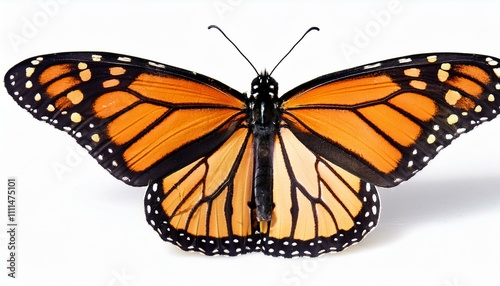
(84, 227)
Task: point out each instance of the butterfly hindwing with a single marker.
(318, 207)
(140, 120)
(384, 122)
(206, 206)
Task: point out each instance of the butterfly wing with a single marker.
(207, 205)
(318, 206)
(140, 120)
(383, 122)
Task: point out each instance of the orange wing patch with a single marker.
(130, 124)
(397, 126)
(419, 106)
(54, 72)
(349, 130)
(178, 129)
(181, 91)
(474, 72)
(466, 85)
(345, 92)
(61, 85)
(465, 78)
(113, 102)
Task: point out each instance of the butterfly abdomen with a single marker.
(262, 178)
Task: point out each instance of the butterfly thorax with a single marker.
(262, 104)
(263, 121)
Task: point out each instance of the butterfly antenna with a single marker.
(216, 27)
(310, 29)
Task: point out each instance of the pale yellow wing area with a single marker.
(319, 207)
(205, 206)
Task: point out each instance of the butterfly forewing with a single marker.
(140, 120)
(384, 122)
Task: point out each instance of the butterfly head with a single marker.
(264, 87)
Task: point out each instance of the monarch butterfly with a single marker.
(230, 173)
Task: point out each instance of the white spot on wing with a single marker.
(432, 59)
(372, 66)
(497, 72)
(29, 72)
(96, 58)
(156, 65)
(491, 61)
(431, 139)
(125, 59)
